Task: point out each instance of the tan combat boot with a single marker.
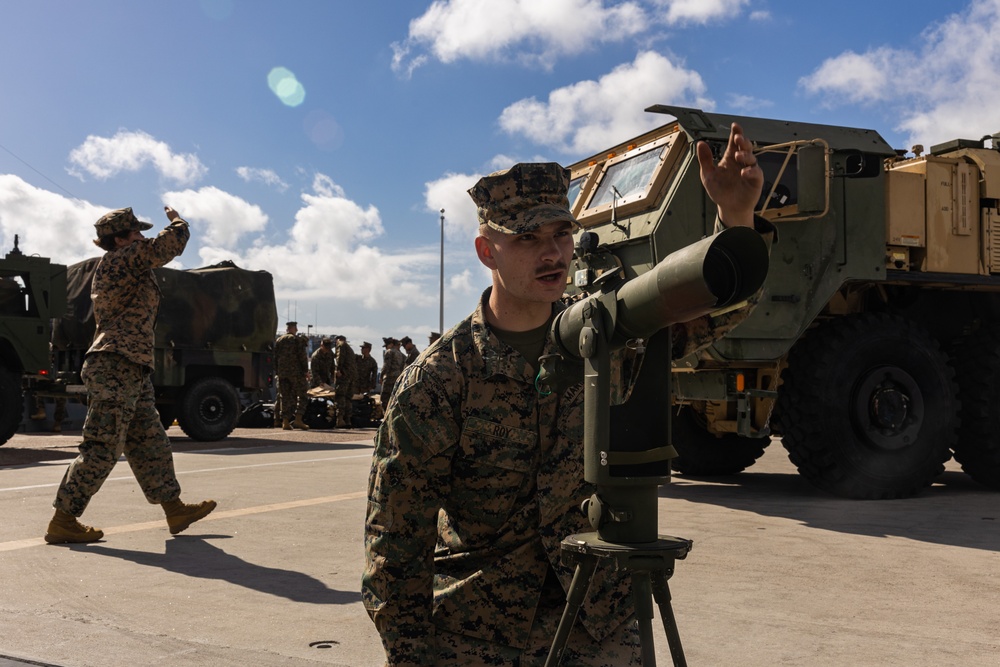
(39, 415)
(299, 424)
(57, 427)
(286, 425)
(65, 529)
(180, 516)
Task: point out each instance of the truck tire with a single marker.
(977, 362)
(209, 409)
(11, 404)
(702, 454)
(868, 407)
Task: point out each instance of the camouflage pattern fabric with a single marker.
(291, 363)
(126, 296)
(121, 418)
(470, 457)
(523, 198)
(59, 414)
(411, 356)
(367, 373)
(393, 362)
(322, 365)
(347, 381)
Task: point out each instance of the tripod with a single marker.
(651, 566)
(624, 510)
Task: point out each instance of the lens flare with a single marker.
(286, 87)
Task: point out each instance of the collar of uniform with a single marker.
(498, 357)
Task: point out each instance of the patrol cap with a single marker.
(524, 197)
(291, 324)
(120, 220)
(366, 344)
(341, 337)
(326, 342)
(387, 341)
(405, 340)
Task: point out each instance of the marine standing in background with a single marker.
(322, 364)
(367, 369)
(291, 363)
(393, 362)
(117, 371)
(347, 381)
(411, 350)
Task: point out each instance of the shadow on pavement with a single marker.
(194, 556)
(955, 510)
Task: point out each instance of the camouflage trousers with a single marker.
(621, 649)
(343, 396)
(60, 413)
(292, 395)
(387, 384)
(121, 419)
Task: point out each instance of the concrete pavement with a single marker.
(780, 574)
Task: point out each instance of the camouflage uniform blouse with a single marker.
(290, 357)
(126, 296)
(467, 434)
(393, 362)
(367, 373)
(323, 363)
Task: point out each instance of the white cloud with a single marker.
(47, 224)
(523, 30)
(591, 115)
(944, 90)
(221, 218)
(104, 157)
(699, 11)
(450, 192)
(327, 255)
(268, 177)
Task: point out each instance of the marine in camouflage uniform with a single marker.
(411, 350)
(117, 371)
(322, 364)
(291, 363)
(393, 362)
(367, 369)
(347, 382)
(477, 476)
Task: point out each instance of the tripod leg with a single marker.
(574, 600)
(643, 604)
(661, 591)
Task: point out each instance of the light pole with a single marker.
(441, 295)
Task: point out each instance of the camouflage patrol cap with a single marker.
(120, 220)
(366, 344)
(524, 197)
(405, 340)
(387, 341)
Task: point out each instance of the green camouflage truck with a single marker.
(213, 346)
(32, 293)
(874, 350)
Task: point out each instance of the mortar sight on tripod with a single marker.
(626, 447)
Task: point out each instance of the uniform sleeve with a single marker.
(156, 252)
(409, 478)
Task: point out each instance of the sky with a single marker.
(319, 140)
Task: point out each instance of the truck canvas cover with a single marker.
(219, 307)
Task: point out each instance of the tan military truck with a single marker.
(874, 349)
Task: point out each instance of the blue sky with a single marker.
(330, 172)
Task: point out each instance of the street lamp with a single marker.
(441, 296)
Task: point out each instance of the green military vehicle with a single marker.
(32, 293)
(874, 349)
(213, 345)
